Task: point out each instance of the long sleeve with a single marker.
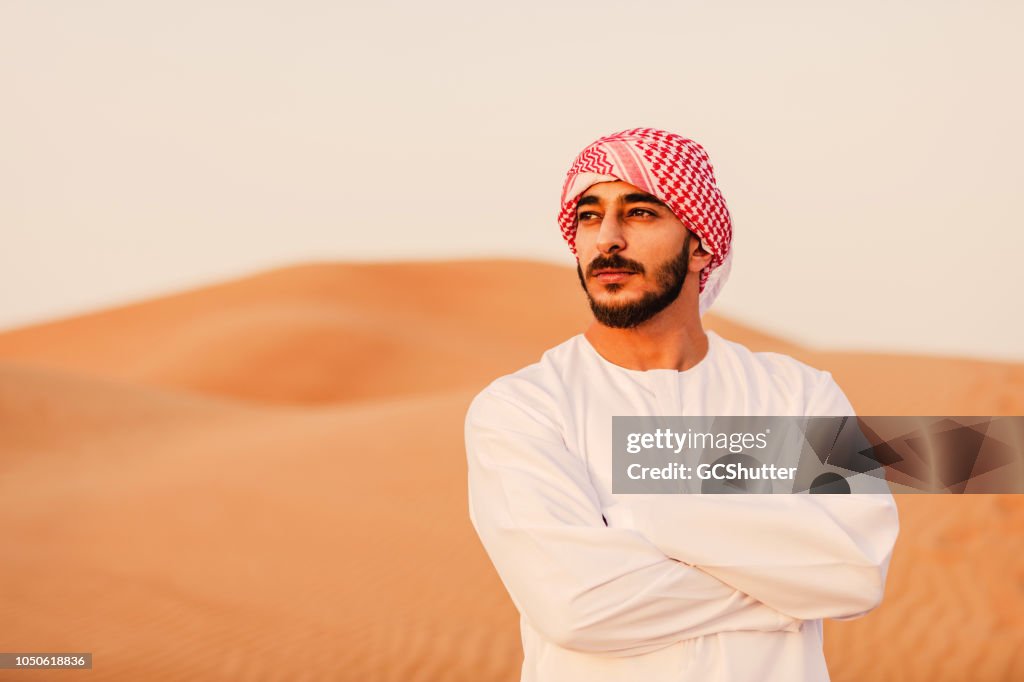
(582, 584)
(809, 556)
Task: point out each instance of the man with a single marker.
(659, 587)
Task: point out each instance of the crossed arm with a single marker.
(629, 579)
(584, 584)
(807, 556)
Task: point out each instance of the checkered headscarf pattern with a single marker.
(674, 169)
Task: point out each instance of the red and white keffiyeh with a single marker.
(674, 169)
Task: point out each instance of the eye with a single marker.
(643, 212)
(586, 215)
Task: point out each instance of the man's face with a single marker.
(633, 252)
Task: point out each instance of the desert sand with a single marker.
(265, 480)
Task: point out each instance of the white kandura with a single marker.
(656, 587)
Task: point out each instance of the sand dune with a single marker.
(265, 480)
(321, 333)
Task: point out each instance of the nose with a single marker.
(610, 238)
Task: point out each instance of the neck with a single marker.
(672, 339)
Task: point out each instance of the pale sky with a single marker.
(870, 152)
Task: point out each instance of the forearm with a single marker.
(613, 593)
(821, 556)
(583, 583)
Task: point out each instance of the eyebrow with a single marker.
(632, 198)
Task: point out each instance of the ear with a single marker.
(699, 258)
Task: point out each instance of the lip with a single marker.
(610, 276)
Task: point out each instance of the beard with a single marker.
(669, 278)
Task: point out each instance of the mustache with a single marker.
(616, 262)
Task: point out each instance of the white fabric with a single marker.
(581, 182)
(675, 587)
